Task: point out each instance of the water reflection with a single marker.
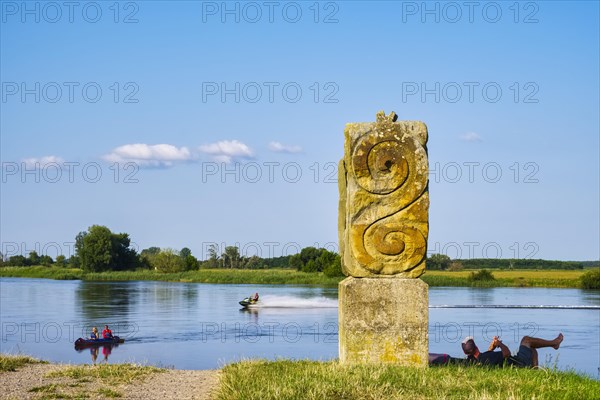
(94, 350)
(103, 300)
(178, 295)
(482, 296)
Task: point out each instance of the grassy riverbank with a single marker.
(304, 380)
(503, 278)
(285, 379)
(55, 381)
(13, 362)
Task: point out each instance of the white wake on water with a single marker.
(269, 301)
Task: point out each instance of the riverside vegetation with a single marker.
(589, 279)
(13, 362)
(106, 256)
(303, 380)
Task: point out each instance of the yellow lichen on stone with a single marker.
(384, 200)
(383, 321)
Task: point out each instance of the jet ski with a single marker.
(248, 302)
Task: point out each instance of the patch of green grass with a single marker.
(12, 362)
(106, 392)
(52, 391)
(305, 380)
(109, 374)
(44, 388)
(42, 272)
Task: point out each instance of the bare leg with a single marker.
(536, 343)
(534, 357)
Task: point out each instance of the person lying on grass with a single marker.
(527, 356)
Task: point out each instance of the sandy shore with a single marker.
(31, 382)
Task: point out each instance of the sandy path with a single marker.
(175, 384)
(172, 384)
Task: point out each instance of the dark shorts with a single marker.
(523, 358)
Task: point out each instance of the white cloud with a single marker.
(157, 155)
(470, 137)
(42, 162)
(282, 148)
(227, 150)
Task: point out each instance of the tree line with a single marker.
(442, 262)
(98, 250)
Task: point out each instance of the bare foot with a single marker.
(558, 341)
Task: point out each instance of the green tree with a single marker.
(455, 266)
(79, 244)
(325, 259)
(99, 249)
(309, 253)
(74, 262)
(61, 261)
(168, 260)
(46, 260)
(34, 258)
(190, 262)
(231, 257)
(185, 252)
(253, 262)
(310, 266)
(147, 255)
(123, 257)
(334, 268)
(151, 251)
(438, 262)
(296, 262)
(213, 257)
(94, 249)
(17, 261)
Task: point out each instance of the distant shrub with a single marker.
(591, 279)
(455, 266)
(483, 275)
(335, 268)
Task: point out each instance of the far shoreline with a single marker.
(501, 278)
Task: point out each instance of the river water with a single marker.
(201, 326)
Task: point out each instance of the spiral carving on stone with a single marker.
(384, 197)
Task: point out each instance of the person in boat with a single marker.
(107, 333)
(94, 335)
(254, 298)
(527, 356)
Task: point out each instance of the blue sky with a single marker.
(510, 94)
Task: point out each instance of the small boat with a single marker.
(81, 342)
(248, 302)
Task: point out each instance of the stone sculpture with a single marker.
(384, 198)
(383, 229)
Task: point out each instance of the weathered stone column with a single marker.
(383, 229)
